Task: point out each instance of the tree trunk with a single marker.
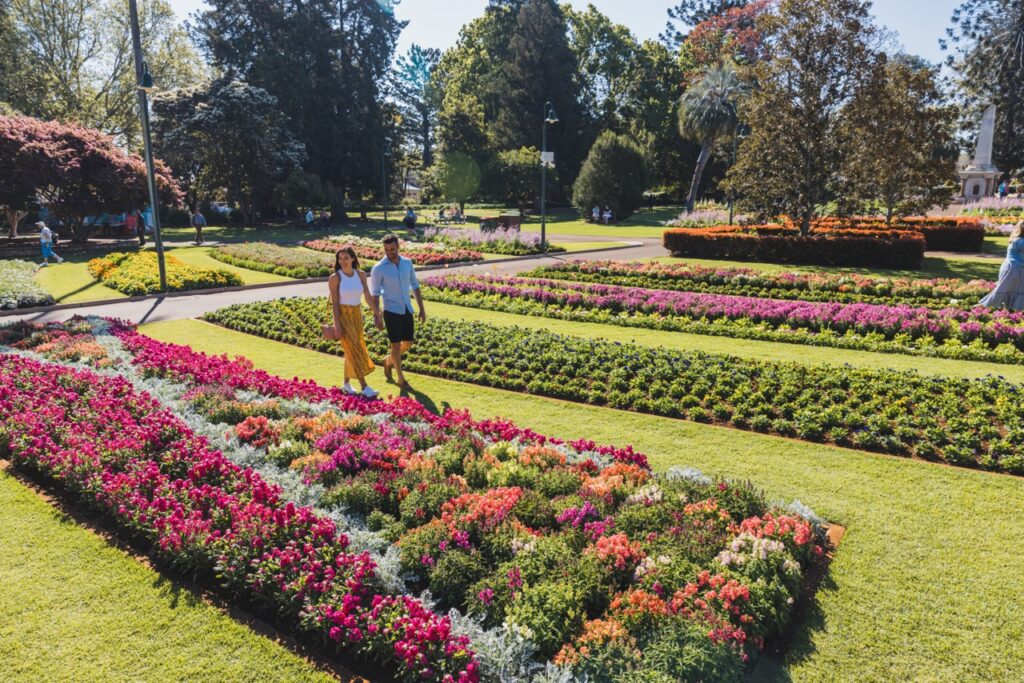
(14, 217)
(805, 223)
(888, 215)
(428, 154)
(698, 173)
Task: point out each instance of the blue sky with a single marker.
(435, 23)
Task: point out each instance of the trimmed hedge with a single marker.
(940, 234)
(778, 244)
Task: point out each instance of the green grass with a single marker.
(70, 282)
(74, 608)
(744, 348)
(960, 267)
(925, 585)
(200, 257)
(641, 224)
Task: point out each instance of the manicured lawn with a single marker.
(961, 267)
(925, 585)
(743, 348)
(200, 257)
(74, 608)
(641, 224)
(70, 282)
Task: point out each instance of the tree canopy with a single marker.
(73, 170)
(614, 176)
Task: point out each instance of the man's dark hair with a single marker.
(390, 238)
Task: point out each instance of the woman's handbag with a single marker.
(328, 332)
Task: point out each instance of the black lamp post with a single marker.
(145, 85)
(549, 117)
(741, 132)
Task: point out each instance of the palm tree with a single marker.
(708, 110)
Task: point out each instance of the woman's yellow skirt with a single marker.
(357, 358)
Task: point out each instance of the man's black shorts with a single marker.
(399, 326)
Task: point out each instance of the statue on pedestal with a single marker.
(979, 178)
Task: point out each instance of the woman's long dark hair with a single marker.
(351, 252)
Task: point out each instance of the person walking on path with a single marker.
(133, 225)
(46, 245)
(1009, 290)
(393, 278)
(348, 285)
(198, 222)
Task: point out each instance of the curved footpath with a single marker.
(192, 305)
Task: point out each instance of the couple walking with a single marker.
(392, 279)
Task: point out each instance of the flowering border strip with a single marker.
(970, 423)
(839, 287)
(754, 532)
(777, 244)
(420, 253)
(976, 334)
(123, 455)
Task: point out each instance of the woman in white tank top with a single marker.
(347, 286)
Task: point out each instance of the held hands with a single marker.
(378, 320)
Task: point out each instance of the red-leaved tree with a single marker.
(74, 171)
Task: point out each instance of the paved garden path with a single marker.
(196, 304)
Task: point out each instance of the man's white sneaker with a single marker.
(370, 393)
(60, 260)
(347, 388)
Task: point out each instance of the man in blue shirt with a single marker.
(393, 278)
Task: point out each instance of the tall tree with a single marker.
(541, 67)
(239, 133)
(324, 61)
(609, 66)
(417, 97)
(688, 13)
(905, 156)
(464, 151)
(709, 110)
(82, 58)
(18, 88)
(732, 35)
(821, 60)
(986, 41)
(74, 171)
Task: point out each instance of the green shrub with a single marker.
(682, 651)
(614, 175)
(552, 611)
(452, 576)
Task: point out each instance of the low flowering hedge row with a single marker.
(979, 333)
(18, 288)
(420, 253)
(505, 242)
(840, 287)
(580, 549)
(137, 273)
(778, 244)
(973, 423)
(945, 233)
(122, 454)
(273, 258)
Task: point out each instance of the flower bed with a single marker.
(972, 423)
(778, 244)
(18, 288)
(272, 258)
(576, 553)
(979, 333)
(118, 452)
(420, 253)
(964, 234)
(506, 242)
(136, 273)
(840, 287)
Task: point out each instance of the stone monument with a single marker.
(979, 178)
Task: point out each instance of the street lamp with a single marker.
(545, 160)
(144, 81)
(741, 132)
